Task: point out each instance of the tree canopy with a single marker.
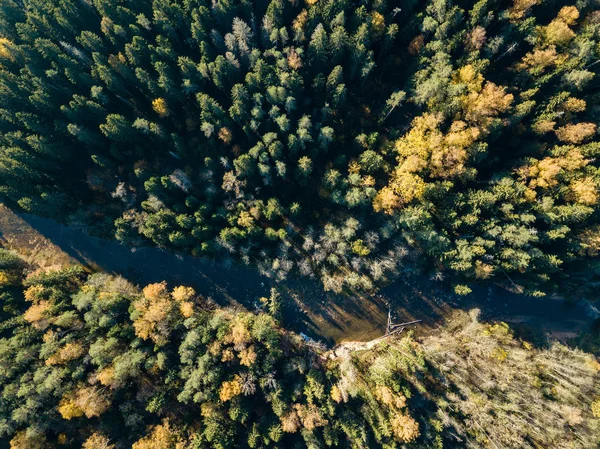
(342, 139)
(92, 362)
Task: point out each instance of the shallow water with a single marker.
(325, 316)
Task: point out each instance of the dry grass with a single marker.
(17, 235)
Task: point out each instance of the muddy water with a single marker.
(328, 317)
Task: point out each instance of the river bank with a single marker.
(325, 316)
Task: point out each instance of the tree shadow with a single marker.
(325, 316)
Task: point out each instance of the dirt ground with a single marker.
(327, 317)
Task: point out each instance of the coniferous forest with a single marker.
(352, 142)
(95, 363)
(339, 139)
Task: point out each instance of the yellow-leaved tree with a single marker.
(426, 152)
(97, 441)
(157, 311)
(87, 400)
(162, 436)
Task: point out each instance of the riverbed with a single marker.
(328, 317)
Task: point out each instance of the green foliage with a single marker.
(100, 357)
(97, 362)
(9, 261)
(468, 127)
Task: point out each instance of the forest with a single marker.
(349, 141)
(92, 362)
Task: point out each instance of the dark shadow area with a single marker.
(144, 265)
(326, 316)
(535, 319)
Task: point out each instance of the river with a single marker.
(324, 316)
